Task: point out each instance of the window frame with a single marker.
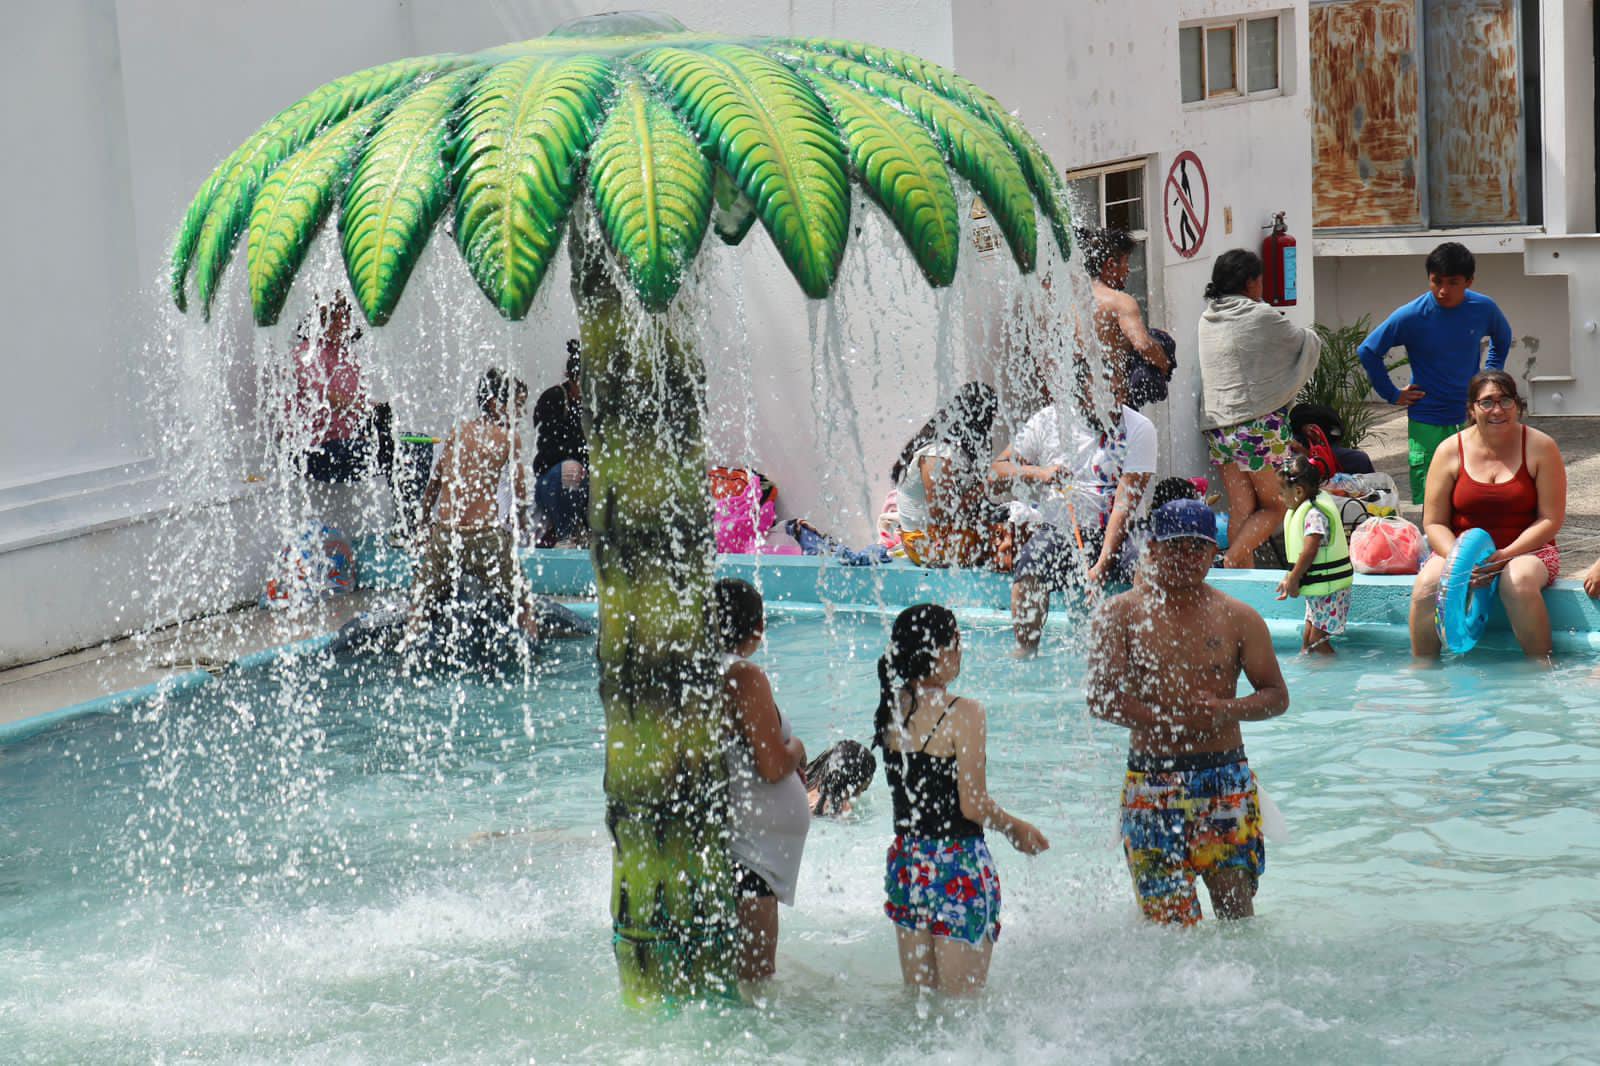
(1240, 25)
(1099, 172)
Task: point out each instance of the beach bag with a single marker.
(319, 560)
(1376, 494)
(1387, 546)
(745, 506)
(889, 522)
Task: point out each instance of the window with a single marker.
(1113, 195)
(1213, 55)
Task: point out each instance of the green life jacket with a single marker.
(1331, 570)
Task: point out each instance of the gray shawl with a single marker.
(1252, 359)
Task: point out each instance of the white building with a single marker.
(143, 99)
(1472, 121)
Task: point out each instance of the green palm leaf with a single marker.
(900, 166)
(651, 187)
(526, 127)
(972, 146)
(732, 212)
(766, 127)
(1043, 178)
(219, 212)
(290, 208)
(397, 192)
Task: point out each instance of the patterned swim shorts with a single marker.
(1181, 824)
(1253, 445)
(947, 887)
(1329, 613)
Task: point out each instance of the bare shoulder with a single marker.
(1542, 446)
(743, 673)
(1238, 615)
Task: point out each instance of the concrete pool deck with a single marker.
(113, 675)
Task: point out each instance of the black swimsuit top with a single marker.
(927, 800)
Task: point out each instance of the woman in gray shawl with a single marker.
(1253, 361)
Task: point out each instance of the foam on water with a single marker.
(440, 894)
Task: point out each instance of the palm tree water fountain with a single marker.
(629, 136)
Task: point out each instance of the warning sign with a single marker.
(1188, 204)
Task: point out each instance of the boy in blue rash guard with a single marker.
(1441, 331)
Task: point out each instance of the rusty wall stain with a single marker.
(1474, 112)
(1366, 129)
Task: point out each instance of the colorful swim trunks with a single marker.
(1182, 823)
(947, 887)
(1253, 445)
(1329, 613)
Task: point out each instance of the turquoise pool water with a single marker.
(290, 867)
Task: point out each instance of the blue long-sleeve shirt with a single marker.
(1443, 346)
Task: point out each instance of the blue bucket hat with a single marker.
(1184, 518)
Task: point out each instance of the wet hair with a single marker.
(1507, 384)
(740, 613)
(574, 359)
(920, 632)
(1172, 488)
(1233, 270)
(1451, 259)
(1102, 247)
(1300, 472)
(966, 421)
(840, 774)
(494, 389)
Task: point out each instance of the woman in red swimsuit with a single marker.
(1505, 478)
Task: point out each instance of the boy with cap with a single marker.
(1165, 665)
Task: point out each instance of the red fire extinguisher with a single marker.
(1279, 279)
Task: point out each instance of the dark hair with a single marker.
(1172, 488)
(1102, 247)
(1297, 470)
(1508, 385)
(966, 421)
(1451, 259)
(1233, 270)
(574, 361)
(493, 388)
(920, 632)
(739, 612)
(840, 774)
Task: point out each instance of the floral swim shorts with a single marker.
(1181, 824)
(1253, 445)
(1329, 613)
(947, 887)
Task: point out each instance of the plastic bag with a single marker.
(1387, 546)
(319, 560)
(1377, 492)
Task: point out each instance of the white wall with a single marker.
(146, 96)
(1098, 80)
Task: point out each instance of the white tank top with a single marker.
(767, 820)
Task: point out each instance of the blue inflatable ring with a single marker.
(1460, 611)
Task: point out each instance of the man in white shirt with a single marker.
(1082, 483)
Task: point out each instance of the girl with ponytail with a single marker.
(943, 892)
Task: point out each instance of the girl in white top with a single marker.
(768, 812)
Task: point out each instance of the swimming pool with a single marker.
(296, 863)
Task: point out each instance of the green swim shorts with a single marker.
(1422, 440)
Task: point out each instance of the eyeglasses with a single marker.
(1490, 403)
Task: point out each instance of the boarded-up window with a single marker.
(1474, 112)
(1366, 133)
(1418, 113)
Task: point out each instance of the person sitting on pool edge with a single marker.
(1164, 663)
(1509, 479)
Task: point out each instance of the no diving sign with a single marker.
(1188, 204)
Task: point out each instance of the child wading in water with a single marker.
(1165, 665)
(1313, 537)
(943, 892)
(768, 813)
